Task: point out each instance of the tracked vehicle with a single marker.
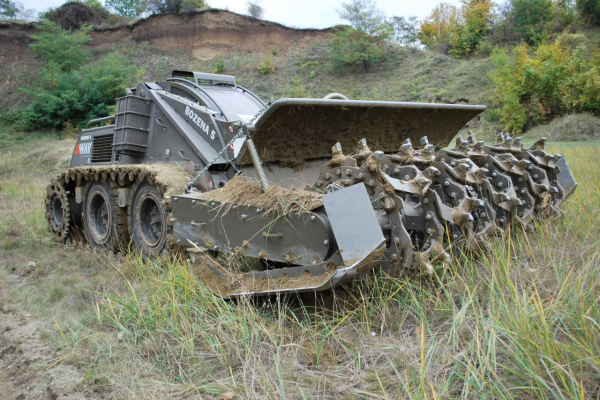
(320, 191)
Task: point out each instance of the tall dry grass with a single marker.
(520, 321)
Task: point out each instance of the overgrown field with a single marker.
(522, 321)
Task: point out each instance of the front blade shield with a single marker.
(292, 131)
(359, 239)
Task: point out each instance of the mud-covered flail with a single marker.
(428, 201)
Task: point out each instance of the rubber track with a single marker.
(127, 176)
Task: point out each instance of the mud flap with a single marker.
(355, 226)
(565, 177)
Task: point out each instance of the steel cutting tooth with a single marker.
(539, 144)
(337, 149)
(424, 141)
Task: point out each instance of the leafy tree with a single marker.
(476, 19)
(173, 6)
(406, 31)
(361, 43)
(534, 86)
(461, 29)
(590, 10)
(8, 9)
(70, 87)
(529, 18)
(255, 10)
(60, 47)
(440, 25)
(125, 8)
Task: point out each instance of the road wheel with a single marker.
(57, 211)
(148, 220)
(104, 221)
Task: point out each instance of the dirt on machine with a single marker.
(295, 195)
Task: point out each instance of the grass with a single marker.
(520, 321)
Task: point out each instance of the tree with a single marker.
(125, 8)
(529, 17)
(461, 29)
(255, 10)
(475, 24)
(173, 6)
(60, 47)
(406, 31)
(8, 9)
(439, 26)
(361, 43)
(590, 10)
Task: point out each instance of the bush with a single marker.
(533, 87)
(173, 6)
(220, 66)
(75, 14)
(266, 67)
(590, 10)
(69, 90)
(361, 44)
(461, 30)
(529, 18)
(61, 47)
(296, 88)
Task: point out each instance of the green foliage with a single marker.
(590, 10)
(534, 86)
(65, 50)
(173, 6)
(125, 8)
(266, 67)
(67, 89)
(362, 43)
(255, 10)
(220, 67)
(406, 30)
(296, 88)
(8, 9)
(461, 30)
(529, 18)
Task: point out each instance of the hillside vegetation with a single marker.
(528, 71)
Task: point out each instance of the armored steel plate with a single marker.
(565, 177)
(296, 238)
(353, 222)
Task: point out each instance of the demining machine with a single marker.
(308, 193)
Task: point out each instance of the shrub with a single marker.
(534, 86)
(361, 44)
(255, 10)
(529, 18)
(173, 6)
(296, 88)
(66, 50)
(125, 8)
(266, 67)
(460, 29)
(75, 14)
(69, 90)
(220, 67)
(590, 10)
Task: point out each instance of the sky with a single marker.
(297, 13)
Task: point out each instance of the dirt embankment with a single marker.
(203, 34)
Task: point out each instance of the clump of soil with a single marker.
(276, 199)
